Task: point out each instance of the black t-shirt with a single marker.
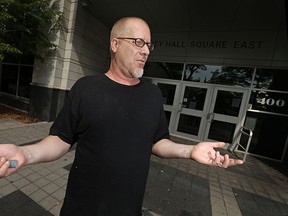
(115, 127)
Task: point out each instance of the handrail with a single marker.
(237, 141)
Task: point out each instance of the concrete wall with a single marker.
(90, 48)
(83, 49)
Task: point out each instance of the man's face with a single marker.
(131, 58)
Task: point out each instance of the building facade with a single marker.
(220, 67)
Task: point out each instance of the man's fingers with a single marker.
(2, 161)
(3, 168)
(226, 161)
(237, 162)
(217, 158)
(230, 162)
(218, 144)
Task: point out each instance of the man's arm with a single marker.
(165, 148)
(49, 149)
(203, 152)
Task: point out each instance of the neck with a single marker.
(120, 78)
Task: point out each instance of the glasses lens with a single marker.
(139, 42)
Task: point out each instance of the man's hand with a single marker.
(10, 152)
(205, 153)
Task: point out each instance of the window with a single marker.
(164, 70)
(15, 78)
(269, 134)
(272, 79)
(224, 75)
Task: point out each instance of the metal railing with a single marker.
(243, 131)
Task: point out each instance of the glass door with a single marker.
(170, 91)
(226, 114)
(190, 117)
(209, 113)
(203, 112)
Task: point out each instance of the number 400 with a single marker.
(271, 102)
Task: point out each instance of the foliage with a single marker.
(28, 27)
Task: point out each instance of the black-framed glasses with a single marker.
(140, 42)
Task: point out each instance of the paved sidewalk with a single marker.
(174, 187)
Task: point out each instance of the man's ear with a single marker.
(114, 45)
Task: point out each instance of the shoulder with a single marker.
(150, 86)
(85, 86)
(87, 81)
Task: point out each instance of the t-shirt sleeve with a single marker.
(65, 125)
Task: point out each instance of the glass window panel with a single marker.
(274, 79)
(268, 131)
(25, 59)
(164, 70)
(24, 81)
(194, 98)
(168, 92)
(9, 79)
(221, 131)
(189, 124)
(269, 101)
(228, 103)
(224, 75)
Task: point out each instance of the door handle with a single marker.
(180, 106)
(210, 117)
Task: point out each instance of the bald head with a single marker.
(126, 26)
(128, 57)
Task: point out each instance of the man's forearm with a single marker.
(168, 149)
(48, 149)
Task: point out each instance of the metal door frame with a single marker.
(239, 120)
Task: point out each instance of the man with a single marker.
(117, 120)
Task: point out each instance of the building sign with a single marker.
(237, 44)
(263, 48)
(274, 102)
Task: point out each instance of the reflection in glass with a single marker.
(228, 103)
(189, 124)
(221, 131)
(194, 98)
(168, 92)
(274, 79)
(164, 70)
(224, 75)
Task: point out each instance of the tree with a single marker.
(238, 76)
(27, 27)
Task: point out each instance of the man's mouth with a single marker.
(142, 62)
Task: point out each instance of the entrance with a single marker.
(203, 112)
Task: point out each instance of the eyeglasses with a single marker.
(140, 42)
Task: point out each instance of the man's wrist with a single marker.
(188, 151)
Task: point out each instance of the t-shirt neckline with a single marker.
(113, 82)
